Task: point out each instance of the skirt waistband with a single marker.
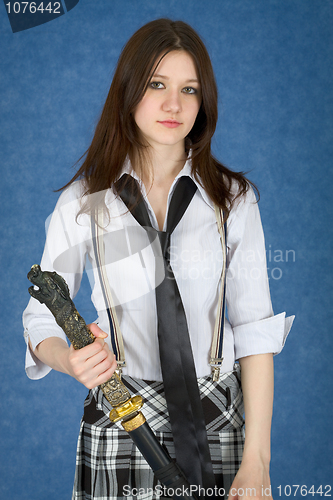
(222, 403)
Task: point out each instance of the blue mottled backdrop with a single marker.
(273, 62)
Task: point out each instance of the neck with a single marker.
(162, 166)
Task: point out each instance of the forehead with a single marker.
(177, 62)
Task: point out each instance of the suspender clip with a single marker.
(215, 373)
(119, 368)
(215, 364)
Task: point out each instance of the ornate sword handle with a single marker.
(54, 293)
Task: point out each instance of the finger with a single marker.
(96, 331)
(82, 356)
(103, 366)
(95, 360)
(106, 375)
(98, 358)
(90, 350)
(89, 371)
(99, 375)
(103, 355)
(104, 345)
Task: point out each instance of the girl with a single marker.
(155, 131)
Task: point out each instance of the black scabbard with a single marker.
(165, 469)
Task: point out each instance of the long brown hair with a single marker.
(117, 135)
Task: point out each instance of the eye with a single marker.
(190, 90)
(156, 85)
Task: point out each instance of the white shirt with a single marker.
(196, 260)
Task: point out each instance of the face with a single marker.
(168, 110)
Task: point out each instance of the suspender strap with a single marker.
(216, 352)
(97, 224)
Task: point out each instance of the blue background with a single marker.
(273, 63)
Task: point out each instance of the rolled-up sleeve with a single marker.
(64, 252)
(256, 329)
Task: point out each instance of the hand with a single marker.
(252, 482)
(93, 364)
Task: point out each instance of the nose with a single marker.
(172, 102)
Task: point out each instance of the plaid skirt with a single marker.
(110, 467)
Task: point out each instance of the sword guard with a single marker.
(125, 410)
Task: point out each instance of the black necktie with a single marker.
(177, 364)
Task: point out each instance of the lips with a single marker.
(170, 123)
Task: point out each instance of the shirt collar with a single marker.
(128, 169)
(186, 170)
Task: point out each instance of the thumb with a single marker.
(96, 331)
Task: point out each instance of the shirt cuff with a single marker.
(34, 367)
(264, 336)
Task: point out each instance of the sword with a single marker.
(54, 293)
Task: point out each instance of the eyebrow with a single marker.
(157, 75)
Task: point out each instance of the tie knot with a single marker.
(164, 237)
